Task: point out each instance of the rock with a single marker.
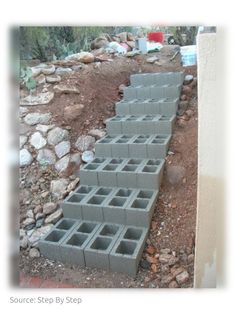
(151, 250)
(189, 113)
(44, 194)
(62, 71)
(46, 157)
(182, 278)
(77, 67)
(36, 70)
(87, 156)
(186, 90)
(40, 79)
(173, 284)
(130, 37)
(121, 88)
(176, 271)
(166, 279)
(57, 135)
(175, 174)
(99, 43)
(49, 208)
(190, 258)
(54, 217)
(84, 57)
(122, 36)
(24, 242)
(22, 233)
(165, 269)
(28, 221)
(144, 264)
(73, 184)
(188, 79)
(39, 222)
(34, 253)
(66, 89)
(96, 133)
(23, 111)
(48, 69)
(131, 44)
(167, 259)
(75, 158)
(165, 251)
(62, 164)
(30, 213)
(44, 128)
(37, 118)
(182, 107)
(25, 157)
(39, 233)
(62, 148)
(181, 123)
(58, 187)
(72, 112)
(53, 79)
(37, 141)
(41, 98)
(152, 59)
(23, 140)
(85, 143)
(39, 215)
(193, 84)
(183, 97)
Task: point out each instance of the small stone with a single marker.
(22, 233)
(182, 278)
(24, 242)
(37, 118)
(23, 140)
(39, 233)
(175, 174)
(84, 57)
(152, 59)
(87, 156)
(168, 259)
(39, 222)
(66, 89)
(37, 140)
(165, 269)
(30, 213)
(40, 79)
(188, 79)
(182, 107)
(62, 164)
(144, 264)
(48, 69)
(28, 221)
(96, 133)
(57, 135)
(85, 143)
(44, 128)
(176, 271)
(53, 79)
(62, 148)
(49, 208)
(45, 194)
(73, 184)
(151, 250)
(25, 157)
(23, 111)
(62, 71)
(73, 112)
(54, 217)
(121, 88)
(187, 90)
(190, 258)
(39, 216)
(46, 157)
(173, 284)
(34, 253)
(29, 227)
(189, 113)
(166, 279)
(40, 98)
(75, 158)
(165, 251)
(58, 187)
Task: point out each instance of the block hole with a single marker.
(103, 191)
(96, 200)
(140, 204)
(101, 243)
(77, 240)
(55, 236)
(84, 189)
(109, 230)
(133, 233)
(76, 198)
(150, 169)
(130, 168)
(123, 192)
(86, 228)
(145, 194)
(117, 202)
(66, 224)
(126, 248)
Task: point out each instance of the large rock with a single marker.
(62, 148)
(53, 79)
(46, 157)
(99, 42)
(49, 69)
(54, 217)
(40, 79)
(122, 36)
(57, 135)
(49, 208)
(23, 140)
(85, 143)
(62, 71)
(25, 157)
(62, 164)
(38, 234)
(37, 140)
(66, 88)
(96, 133)
(41, 98)
(44, 128)
(84, 57)
(175, 174)
(72, 112)
(58, 186)
(37, 118)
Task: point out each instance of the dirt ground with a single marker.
(173, 224)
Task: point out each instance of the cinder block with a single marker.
(98, 250)
(89, 174)
(158, 146)
(138, 148)
(127, 251)
(130, 93)
(101, 146)
(120, 147)
(114, 210)
(72, 247)
(173, 78)
(92, 208)
(114, 125)
(127, 176)
(149, 174)
(72, 205)
(108, 175)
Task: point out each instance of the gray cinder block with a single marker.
(150, 174)
(72, 206)
(158, 146)
(92, 208)
(88, 174)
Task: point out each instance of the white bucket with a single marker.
(188, 55)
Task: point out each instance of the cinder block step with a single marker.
(145, 124)
(167, 106)
(152, 92)
(134, 173)
(133, 146)
(111, 204)
(91, 244)
(173, 78)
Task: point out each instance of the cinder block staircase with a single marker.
(107, 218)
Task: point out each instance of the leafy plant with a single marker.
(27, 77)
